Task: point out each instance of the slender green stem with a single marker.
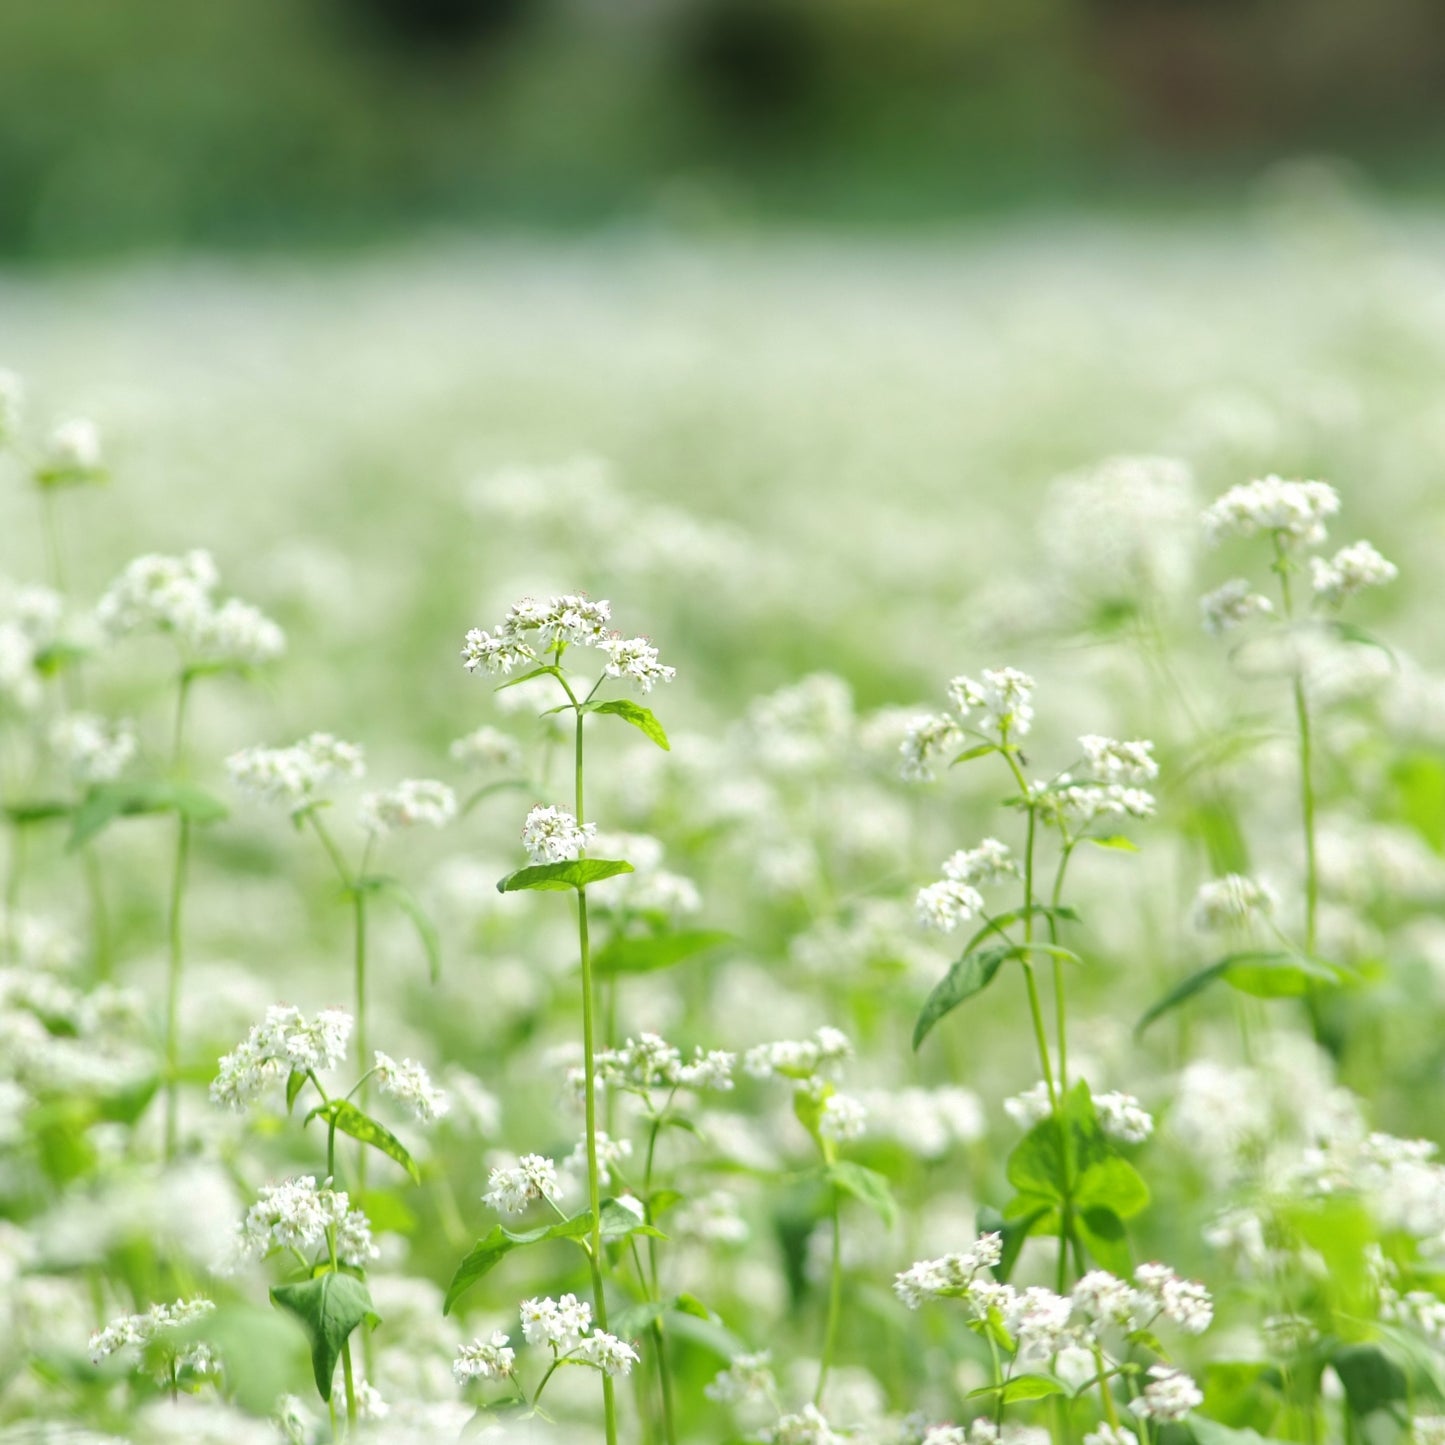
(359, 904)
(1060, 1011)
(835, 1303)
(1106, 1396)
(350, 1379)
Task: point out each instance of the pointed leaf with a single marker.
(640, 717)
(618, 1221)
(1264, 973)
(647, 955)
(295, 1082)
(970, 975)
(1116, 841)
(350, 1120)
(489, 1252)
(867, 1185)
(1022, 1387)
(527, 677)
(978, 751)
(559, 876)
(330, 1307)
(105, 802)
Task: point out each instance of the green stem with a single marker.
(350, 1379)
(359, 899)
(1106, 1396)
(835, 1303)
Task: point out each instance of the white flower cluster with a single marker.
(489, 1359)
(843, 1117)
(611, 1153)
(531, 629)
(175, 595)
(31, 624)
(1349, 572)
(1121, 1116)
(954, 900)
(746, 1379)
(139, 1331)
(296, 1215)
(1293, 511)
(1117, 768)
(650, 1062)
(553, 835)
(808, 1427)
(91, 748)
(924, 740)
(297, 776)
(1113, 761)
(799, 1059)
(987, 863)
(409, 1083)
(510, 1189)
(72, 451)
(1232, 605)
(565, 1326)
(413, 802)
(1233, 901)
(285, 1041)
(1042, 1322)
(1004, 697)
(487, 747)
(650, 888)
(1169, 1395)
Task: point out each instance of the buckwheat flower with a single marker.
(987, 863)
(1106, 1434)
(1427, 1430)
(1232, 605)
(1169, 1395)
(169, 593)
(925, 739)
(1293, 511)
(635, 658)
(487, 747)
(710, 1218)
(295, 1214)
(411, 803)
(284, 1042)
(410, 1084)
(141, 1330)
(1080, 804)
(746, 1379)
(559, 1323)
(808, 1427)
(72, 451)
(1003, 696)
(19, 683)
(552, 835)
(798, 1059)
(1184, 1302)
(12, 404)
(91, 748)
(1103, 1299)
(236, 632)
(945, 906)
(295, 776)
(607, 1353)
(712, 1069)
(1122, 1117)
(1349, 572)
(510, 1191)
(489, 1359)
(1039, 1323)
(843, 1118)
(1030, 1107)
(1113, 761)
(610, 1154)
(353, 1235)
(1231, 902)
(945, 1435)
(495, 653)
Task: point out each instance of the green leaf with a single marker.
(618, 1221)
(1264, 973)
(1104, 1236)
(1001, 921)
(1350, 632)
(1022, 1387)
(1116, 841)
(1113, 1184)
(393, 888)
(558, 876)
(295, 1082)
(978, 751)
(867, 1185)
(264, 1351)
(58, 656)
(1371, 1379)
(970, 975)
(640, 717)
(105, 802)
(648, 954)
(43, 811)
(1014, 1229)
(350, 1120)
(489, 1252)
(330, 1307)
(548, 671)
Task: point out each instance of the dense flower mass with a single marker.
(297, 1216)
(93, 749)
(1232, 604)
(286, 1041)
(1233, 901)
(553, 835)
(299, 775)
(410, 1085)
(412, 803)
(1295, 512)
(510, 1189)
(1349, 572)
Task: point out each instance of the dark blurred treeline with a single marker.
(242, 122)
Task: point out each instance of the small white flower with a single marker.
(295, 776)
(93, 749)
(486, 747)
(1183, 1302)
(946, 905)
(635, 659)
(552, 835)
(925, 739)
(1169, 1395)
(139, 1331)
(1104, 1299)
(1231, 902)
(1122, 1117)
(747, 1378)
(1232, 605)
(843, 1118)
(511, 1190)
(559, 1323)
(987, 863)
(284, 1042)
(489, 1359)
(1004, 696)
(808, 1427)
(607, 1353)
(73, 447)
(1106, 1434)
(1293, 511)
(413, 802)
(1113, 761)
(409, 1083)
(296, 1215)
(1349, 572)
(610, 1154)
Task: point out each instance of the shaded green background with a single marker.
(231, 123)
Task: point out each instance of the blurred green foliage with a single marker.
(243, 122)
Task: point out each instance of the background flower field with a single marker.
(822, 478)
